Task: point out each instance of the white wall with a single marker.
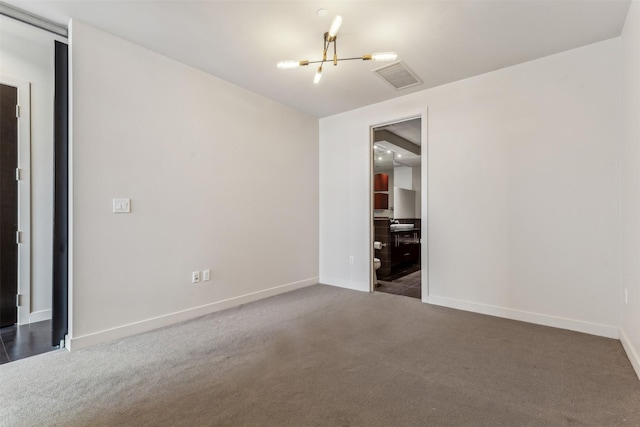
(630, 330)
(412, 181)
(27, 54)
(403, 177)
(219, 178)
(404, 203)
(417, 186)
(521, 172)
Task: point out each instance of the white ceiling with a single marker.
(441, 41)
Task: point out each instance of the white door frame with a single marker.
(24, 195)
(424, 229)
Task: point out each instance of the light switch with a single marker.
(121, 205)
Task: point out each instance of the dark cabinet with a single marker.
(381, 183)
(401, 247)
(405, 247)
(380, 201)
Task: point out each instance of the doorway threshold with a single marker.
(409, 285)
(22, 341)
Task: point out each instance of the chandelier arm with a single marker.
(339, 59)
(351, 59)
(325, 47)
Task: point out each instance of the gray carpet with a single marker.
(324, 356)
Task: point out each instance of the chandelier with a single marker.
(330, 38)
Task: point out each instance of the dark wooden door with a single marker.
(8, 205)
(60, 291)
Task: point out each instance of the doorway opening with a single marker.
(34, 78)
(397, 208)
(9, 230)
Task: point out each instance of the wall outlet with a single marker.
(121, 205)
(206, 275)
(626, 296)
(195, 277)
(351, 260)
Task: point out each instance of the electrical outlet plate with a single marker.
(195, 277)
(206, 275)
(121, 205)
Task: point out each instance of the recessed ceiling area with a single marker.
(397, 144)
(410, 130)
(440, 41)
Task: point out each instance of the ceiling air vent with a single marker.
(397, 75)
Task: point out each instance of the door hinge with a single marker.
(17, 111)
(18, 237)
(18, 174)
(18, 300)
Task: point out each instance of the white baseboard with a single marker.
(530, 317)
(632, 353)
(76, 343)
(39, 316)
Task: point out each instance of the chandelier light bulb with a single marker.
(384, 56)
(318, 75)
(288, 64)
(335, 26)
(292, 64)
